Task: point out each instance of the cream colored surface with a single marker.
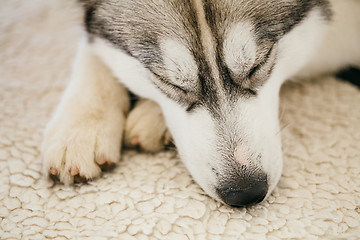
(152, 196)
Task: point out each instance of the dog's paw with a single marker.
(146, 128)
(77, 151)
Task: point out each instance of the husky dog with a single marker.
(213, 67)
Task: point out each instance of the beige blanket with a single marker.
(153, 196)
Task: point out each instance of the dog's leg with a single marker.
(84, 136)
(146, 128)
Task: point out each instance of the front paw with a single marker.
(78, 152)
(146, 128)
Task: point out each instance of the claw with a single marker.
(53, 171)
(135, 141)
(102, 160)
(79, 179)
(107, 166)
(53, 174)
(104, 164)
(169, 142)
(74, 171)
(53, 177)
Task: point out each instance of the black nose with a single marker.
(240, 197)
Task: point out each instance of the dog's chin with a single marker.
(274, 170)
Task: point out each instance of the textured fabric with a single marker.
(152, 196)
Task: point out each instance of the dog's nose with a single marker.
(236, 197)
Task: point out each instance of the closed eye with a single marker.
(192, 106)
(251, 91)
(254, 70)
(186, 97)
(169, 84)
(258, 66)
(176, 87)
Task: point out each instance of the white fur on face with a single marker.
(266, 130)
(195, 138)
(128, 70)
(240, 48)
(180, 65)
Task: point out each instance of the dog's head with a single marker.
(216, 68)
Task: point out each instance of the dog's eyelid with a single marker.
(254, 70)
(171, 85)
(176, 87)
(192, 106)
(257, 67)
(252, 92)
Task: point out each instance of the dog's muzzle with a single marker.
(243, 183)
(237, 195)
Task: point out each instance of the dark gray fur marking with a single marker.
(137, 26)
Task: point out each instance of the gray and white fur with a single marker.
(214, 67)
